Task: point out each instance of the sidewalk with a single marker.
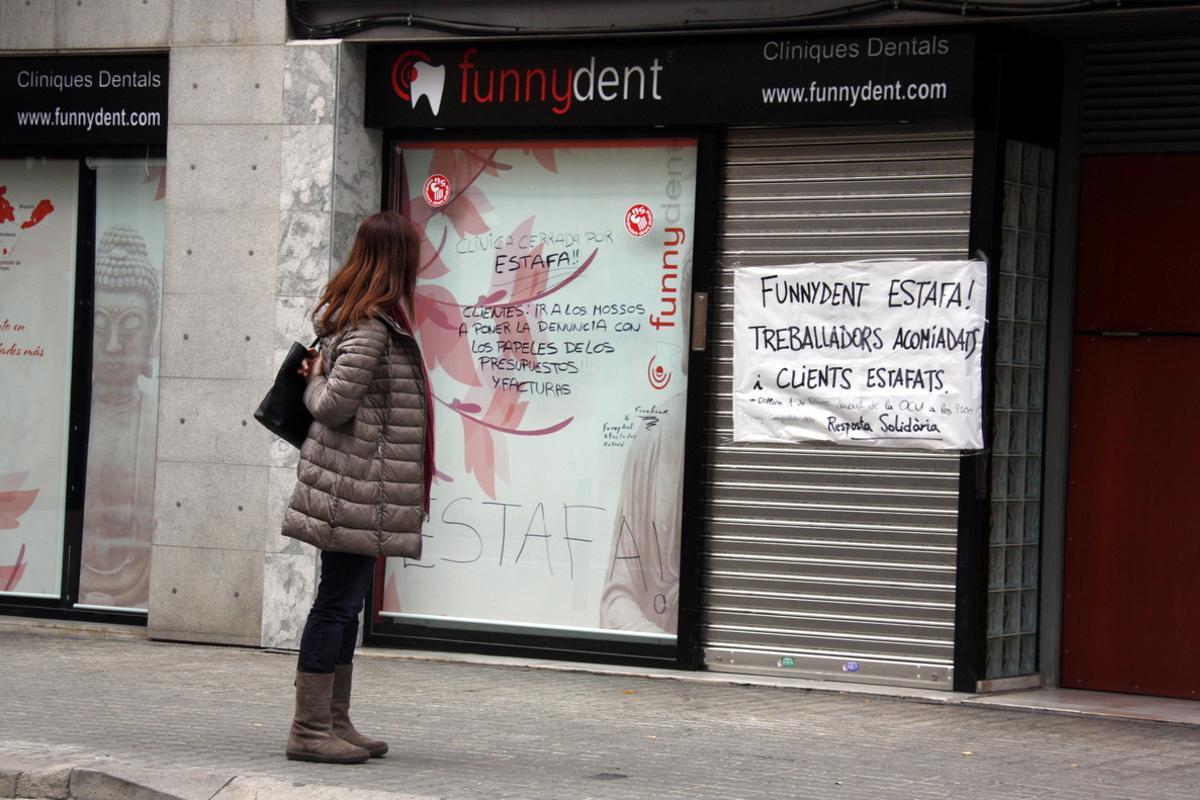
(131, 719)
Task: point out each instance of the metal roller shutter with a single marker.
(1141, 95)
(826, 561)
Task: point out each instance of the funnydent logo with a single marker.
(483, 80)
(657, 374)
(414, 77)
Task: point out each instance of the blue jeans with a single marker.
(332, 627)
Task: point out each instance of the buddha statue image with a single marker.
(118, 520)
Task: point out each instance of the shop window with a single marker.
(1017, 423)
(552, 310)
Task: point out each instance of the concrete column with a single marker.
(224, 168)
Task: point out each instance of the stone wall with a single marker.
(331, 180)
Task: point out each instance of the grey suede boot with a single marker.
(343, 728)
(311, 737)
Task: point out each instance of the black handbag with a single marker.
(282, 411)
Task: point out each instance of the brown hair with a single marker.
(379, 274)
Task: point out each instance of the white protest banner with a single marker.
(552, 310)
(883, 353)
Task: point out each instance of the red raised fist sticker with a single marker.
(437, 190)
(639, 219)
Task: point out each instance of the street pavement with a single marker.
(462, 730)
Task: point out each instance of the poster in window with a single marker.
(553, 314)
(38, 206)
(118, 517)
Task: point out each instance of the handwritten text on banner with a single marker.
(883, 353)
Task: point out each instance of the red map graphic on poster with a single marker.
(6, 209)
(43, 209)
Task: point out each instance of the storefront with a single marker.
(585, 209)
(82, 227)
(588, 197)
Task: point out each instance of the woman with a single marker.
(364, 473)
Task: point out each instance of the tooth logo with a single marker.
(414, 77)
(428, 83)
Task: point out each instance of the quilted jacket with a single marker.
(359, 485)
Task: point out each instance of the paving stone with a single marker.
(481, 732)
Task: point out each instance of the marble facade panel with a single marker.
(289, 586)
(309, 89)
(303, 267)
(306, 170)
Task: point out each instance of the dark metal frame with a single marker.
(1016, 97)
(686, 652)
(1060, 341)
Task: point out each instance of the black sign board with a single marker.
(84, 100)
(791, 80)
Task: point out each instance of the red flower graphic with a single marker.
(10, 576)
(14, 502)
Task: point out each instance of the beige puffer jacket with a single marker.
(359, 484)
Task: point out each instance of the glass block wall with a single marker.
(1016, 460)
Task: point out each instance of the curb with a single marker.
(97, 780)
(71, 628)
(102, 780)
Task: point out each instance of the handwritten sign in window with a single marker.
(556, 337)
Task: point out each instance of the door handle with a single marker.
(699, 321)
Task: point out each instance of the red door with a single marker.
(1132, 585)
